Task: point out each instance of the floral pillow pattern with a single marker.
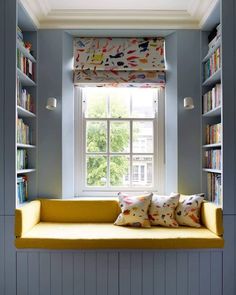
(162, 210)
(188, 211)
(134, 210)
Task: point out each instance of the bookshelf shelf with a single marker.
(212, 170)
(25, 52)
(213, 145)
(216, 77)
(25, 146)
(213, 112)
(25, 171)
(25, 113)
(25, 100)
(212, 106)
(212, 50)
(24, 79)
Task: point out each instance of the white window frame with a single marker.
(80, 137)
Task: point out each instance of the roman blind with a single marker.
(119, 61)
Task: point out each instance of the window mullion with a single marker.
(108, 141)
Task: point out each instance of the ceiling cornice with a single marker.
(45, 17)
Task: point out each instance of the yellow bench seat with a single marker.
(88, 224)
(49, 235)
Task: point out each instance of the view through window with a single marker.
(119, 130)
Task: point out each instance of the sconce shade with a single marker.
(188, 103)
(51, 103)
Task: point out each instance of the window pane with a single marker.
(96, 137)
(143, 137)
(119, 171)
(142, 170)
(119, 103)
(96, 174)
(96, 103)
(119, 137)
(142, 103)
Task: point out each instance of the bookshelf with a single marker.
(212, 106)
(26, 107)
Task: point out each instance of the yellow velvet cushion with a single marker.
(27, 217)
(79, 210)
(212, 218)
(105, 235)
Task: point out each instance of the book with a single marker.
(22, 159)
(22, 189)
(212, 65)
(24, 98)
(214, 188)
(214, 133)
(25, 65)
(212, 99)
(24, 134)
(213, 159)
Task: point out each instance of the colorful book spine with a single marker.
(214, 133)
(212, 99)
(213, 159)
(22, 189)
(24, 98)
(22, 159)
(214, 188)
(213, 64)
(24, 134)
(25, 65)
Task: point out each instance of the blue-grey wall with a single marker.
(67, 118)
(55, 128)
(2, 96)
(183, 127)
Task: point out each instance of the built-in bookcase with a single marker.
(26, 108)
(212, 106)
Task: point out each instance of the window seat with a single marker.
(88, 224)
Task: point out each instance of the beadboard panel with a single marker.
(120, 273)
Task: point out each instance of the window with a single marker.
(119, 144)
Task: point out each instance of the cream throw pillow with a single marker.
(134, 210)
(188, 211)
(162, 210)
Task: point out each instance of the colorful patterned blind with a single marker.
(119, 61)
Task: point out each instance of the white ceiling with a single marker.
(121, 4)
(119, 14)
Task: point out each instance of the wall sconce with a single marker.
(51, 103)
(188, 103)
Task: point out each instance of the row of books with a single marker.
(24, 134)
(22, 189)
(212, 99)
(24, 98)
(25, 65)
(214, 188)
(213, 64)
(214, 133)
(22, 159)
(213, 159)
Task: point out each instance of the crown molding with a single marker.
(115, 19)
(45, 17)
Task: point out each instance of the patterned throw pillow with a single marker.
(134, 210)
(162, 210)
(188, 211)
